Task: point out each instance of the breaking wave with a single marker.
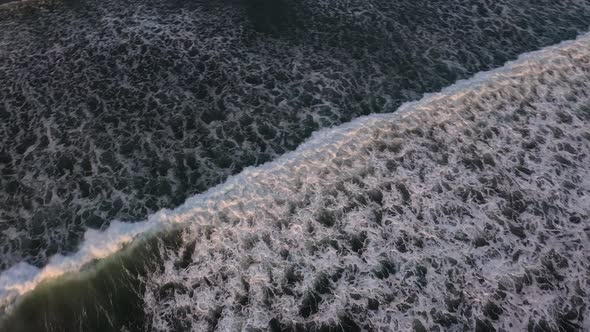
(454, 211)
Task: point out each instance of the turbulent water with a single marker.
(111, 110)
(465, 210)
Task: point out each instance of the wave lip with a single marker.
(23, 277)
(243, 192)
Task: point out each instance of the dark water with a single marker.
(113, 110)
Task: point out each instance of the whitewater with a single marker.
(471, 202)
(113, 110)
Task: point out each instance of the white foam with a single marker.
(248, 187)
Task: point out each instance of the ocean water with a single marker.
(465, 209)
(112, 110)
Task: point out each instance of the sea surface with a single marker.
(292, 166)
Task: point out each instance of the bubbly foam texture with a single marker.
(467, 210)
(111, 110)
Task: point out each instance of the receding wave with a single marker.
(465, 210)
